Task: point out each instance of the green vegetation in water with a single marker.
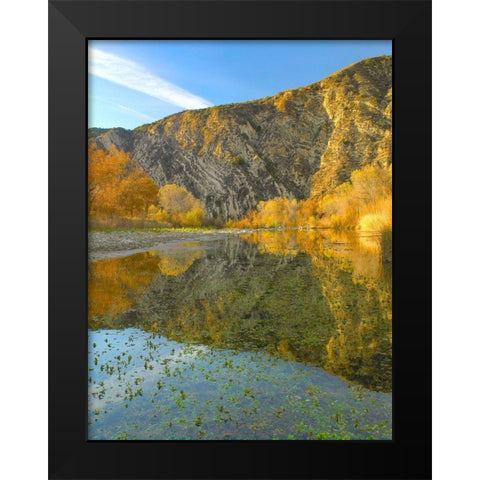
(206, 393)
(243, 321)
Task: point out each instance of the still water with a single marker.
(263, 335)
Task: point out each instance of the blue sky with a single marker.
(133, 82)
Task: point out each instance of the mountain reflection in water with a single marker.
(314, 296)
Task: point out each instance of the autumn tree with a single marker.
(181, 206)
(364, 202)
(175, 199)
(136, 192)
(105, 169)
(277, 212)
(308, 212)
(371, 183)
(116, 185)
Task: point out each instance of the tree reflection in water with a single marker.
(310, 296)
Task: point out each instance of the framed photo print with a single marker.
(240, 231)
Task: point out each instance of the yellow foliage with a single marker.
(375, 222)
(179, 207)
(113, 284)
(135, 193)
(371, 183)
(177, 200)
(194, 217)
(152, 210)
(173, 264)
(361, 254)
(277, 212)
(275, 243)
(161, 216)
(116, 185)
(363, 203)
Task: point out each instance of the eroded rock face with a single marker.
(296, 144)
(358, 100)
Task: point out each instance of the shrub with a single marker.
(374, 222)
(239, 160)
(194, 218)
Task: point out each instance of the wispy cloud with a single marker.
(130, 74)
(135, 112)
(119, 106)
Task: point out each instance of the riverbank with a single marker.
(133, 239)
(117, 243)
(107, 244)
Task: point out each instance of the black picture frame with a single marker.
(408, 24)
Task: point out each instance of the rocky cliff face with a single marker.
(298, 143)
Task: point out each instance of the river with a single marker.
(241, 335)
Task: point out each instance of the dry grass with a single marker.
(374, 222)
(101, 222)
(377, 216)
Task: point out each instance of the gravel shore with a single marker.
(120, 243)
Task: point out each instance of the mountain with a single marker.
(299, 143)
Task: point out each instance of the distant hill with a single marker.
(299, 143)
(95, 132)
